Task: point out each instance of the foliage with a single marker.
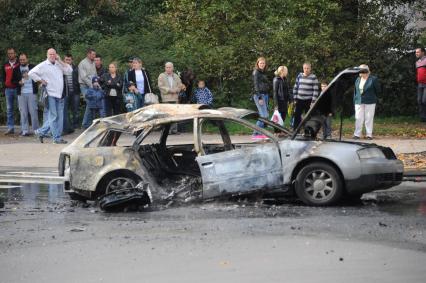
(221, 39)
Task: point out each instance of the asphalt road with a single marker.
(44, 237)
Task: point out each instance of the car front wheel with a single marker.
(319, 184)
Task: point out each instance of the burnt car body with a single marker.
(118, 152)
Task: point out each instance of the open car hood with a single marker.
(329, 99)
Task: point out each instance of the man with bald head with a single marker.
(50, 74)
(170, 86)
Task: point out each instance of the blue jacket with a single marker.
(95, 98)
(203, 96)
(372, 89)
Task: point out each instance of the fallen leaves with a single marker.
(413, 160)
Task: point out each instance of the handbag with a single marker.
(277, 119)
(150, 97)
(44, 97)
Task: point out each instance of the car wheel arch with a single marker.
(118, 172)
(309, 160)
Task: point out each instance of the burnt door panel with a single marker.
(240, 171)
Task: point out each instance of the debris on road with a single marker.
(132, 199)
(78, 229)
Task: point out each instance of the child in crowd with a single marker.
(130, 97)
(96, 98)
(326, 127)
(202, 94)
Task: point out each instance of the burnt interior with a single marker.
(169, 163)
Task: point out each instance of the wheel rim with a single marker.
(120, 183)
(319, 185)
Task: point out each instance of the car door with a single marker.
(239, 168)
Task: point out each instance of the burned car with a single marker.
(216, 156)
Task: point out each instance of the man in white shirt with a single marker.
(50, 74)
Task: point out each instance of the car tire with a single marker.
(114, 183)
(319, 184)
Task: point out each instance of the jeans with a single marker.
(101, 112)
(10, 94)
(140, 98)
(326, 127)
(87, 118)
(71, 108)
(302, 106)
(28, 105)
(421, 100)
(262, 109)
(55, 119)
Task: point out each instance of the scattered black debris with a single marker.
(133, 199)
(381, 224)
(78, 229)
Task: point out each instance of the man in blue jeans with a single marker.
(10, 88)
(86, 71)
(50, 74)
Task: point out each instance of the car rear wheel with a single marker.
(319, 184)
(118, 183)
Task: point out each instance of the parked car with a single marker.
(217, 156)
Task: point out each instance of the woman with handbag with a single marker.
(282, 91)
(140, 78)
(112, 84)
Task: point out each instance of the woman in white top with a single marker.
(140, 78)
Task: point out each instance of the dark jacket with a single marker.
(372, 89)
(108, 83)
(75, 83)
(94, 98)
(131, 77)
(261, 82)
(17, 76)
(281, 90)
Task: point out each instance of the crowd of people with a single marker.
(307, 89)
(106, 92)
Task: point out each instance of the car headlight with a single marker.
(370, 152)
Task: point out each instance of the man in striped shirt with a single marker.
(305, 92)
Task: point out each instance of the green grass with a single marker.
(400, 127)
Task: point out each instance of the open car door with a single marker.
(327, 102)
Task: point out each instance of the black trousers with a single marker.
(302, 106)
(282, 108)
